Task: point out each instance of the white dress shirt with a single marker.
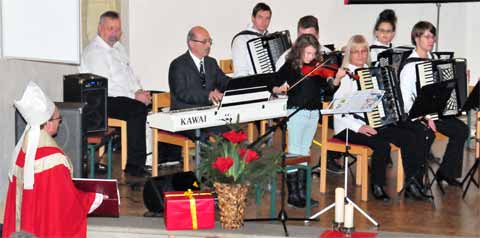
(375, 51)
(197, 61)
(341, 122)
(242, 65)
(408, 82)
(112, 63)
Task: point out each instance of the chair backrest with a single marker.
(160, 100)
(226, 65)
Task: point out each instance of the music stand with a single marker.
(430, 99)
(472, 103)
(282, 214)
(360, 101)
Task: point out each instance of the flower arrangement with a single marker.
(228, 159)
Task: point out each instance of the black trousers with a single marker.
(135, 114)
(457, 133)
(415, 150)
(406, 139)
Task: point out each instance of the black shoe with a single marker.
(414, 191)
(451, 181)
(333, 167)
(100, 168)
(136, 171)
(302, 191)
(379, 193)
(389, 163)
(293, 196)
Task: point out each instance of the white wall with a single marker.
(158, 28)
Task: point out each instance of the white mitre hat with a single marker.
(37, 109)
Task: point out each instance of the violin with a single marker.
(324, 71)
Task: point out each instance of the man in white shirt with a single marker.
(242, 65)
(423, 36)
(107, 57)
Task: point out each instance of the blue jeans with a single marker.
(301, 130)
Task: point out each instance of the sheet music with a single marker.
(359, 101)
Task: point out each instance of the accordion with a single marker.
(333, 58)
(390, 109)
(394, 57)
(433, 71)
(265, 51)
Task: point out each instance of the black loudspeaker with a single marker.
(92, 90)
(156, 186)
(70, 136)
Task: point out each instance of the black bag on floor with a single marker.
(156, 186)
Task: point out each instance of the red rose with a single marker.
(235, 137)
(250, 156)
(223, 164)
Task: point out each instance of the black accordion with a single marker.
(394, 57)
(265, 51)
(390, 109)
(434, 71)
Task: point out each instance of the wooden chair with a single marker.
(226, 65)
(112, 122)
(362, 152)
(162, 100)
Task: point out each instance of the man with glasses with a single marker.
(424, 36)
(42, 199)
(194, 78)
(107, 57)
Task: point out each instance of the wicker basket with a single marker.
(232, 200)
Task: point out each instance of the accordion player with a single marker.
(265, 51)
(390, 109)
(433, 71)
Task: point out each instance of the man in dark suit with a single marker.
(194, 78)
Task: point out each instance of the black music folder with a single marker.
(432, 98)
(110, 206)
(251, 81)
(473, 99)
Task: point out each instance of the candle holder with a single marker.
(347, 231)
(337, 226)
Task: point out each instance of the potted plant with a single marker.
(232, 167)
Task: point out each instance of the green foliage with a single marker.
(222, 162)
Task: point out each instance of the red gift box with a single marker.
(189, 210)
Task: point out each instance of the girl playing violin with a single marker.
(307, 95)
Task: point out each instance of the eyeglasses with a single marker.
(385, 31)
(356, 52)
(59, 118)
(429, 37)
(203, 41)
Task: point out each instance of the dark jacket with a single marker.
(186, 89)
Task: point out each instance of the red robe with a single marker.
(54, 207)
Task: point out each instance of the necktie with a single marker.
(202, 74)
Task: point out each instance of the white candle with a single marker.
(339, 204)
(348, 216)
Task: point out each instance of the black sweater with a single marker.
(309, 93)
